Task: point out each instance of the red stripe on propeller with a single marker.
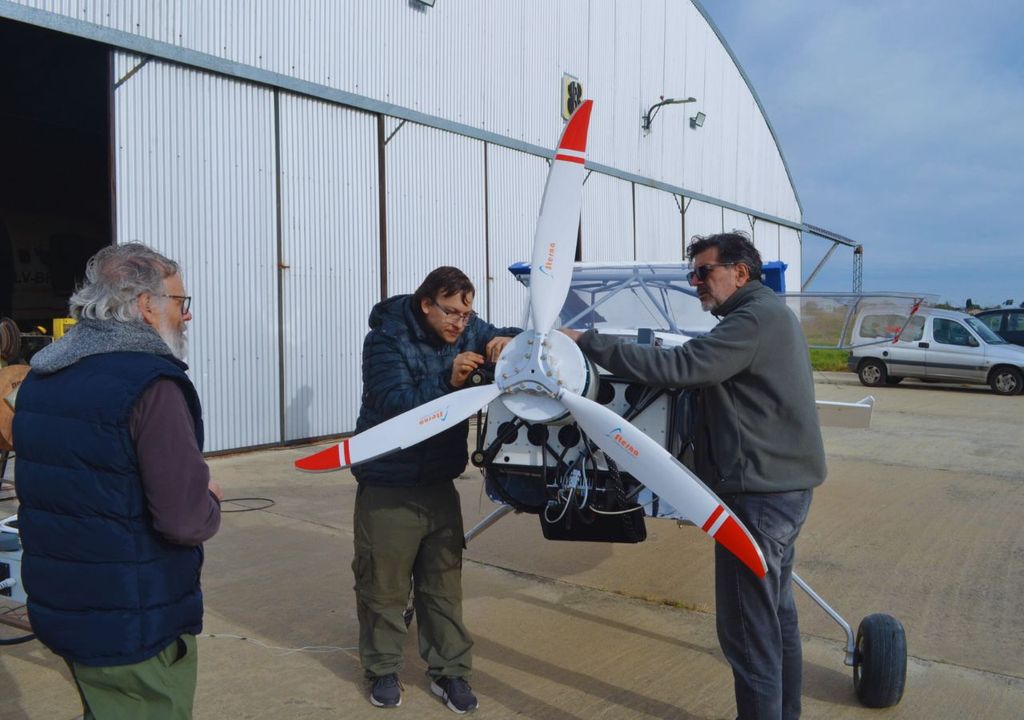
(570, 158)
(711, 520)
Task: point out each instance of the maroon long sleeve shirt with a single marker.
(175, 477)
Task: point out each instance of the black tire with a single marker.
(872, 372)
(1006, 380)
(893, 380)
(880, 661)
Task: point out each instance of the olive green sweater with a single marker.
(758, 425)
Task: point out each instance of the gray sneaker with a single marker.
(386, 691)
(455, 693)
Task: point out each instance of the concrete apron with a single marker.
(918, 520)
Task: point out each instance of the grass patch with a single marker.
(829, 360)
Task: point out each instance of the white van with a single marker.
(935, 345)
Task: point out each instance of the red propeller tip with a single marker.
(328, 459)
(575, 136)
(732, 537)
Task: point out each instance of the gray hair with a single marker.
(115, 277)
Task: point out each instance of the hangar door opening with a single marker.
(55, 188)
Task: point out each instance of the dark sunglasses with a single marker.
(701, 272)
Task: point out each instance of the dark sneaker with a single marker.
(386, 691)
(456, 693)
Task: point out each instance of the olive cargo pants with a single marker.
(160, 688)
(403, 533)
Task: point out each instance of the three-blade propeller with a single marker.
(550, 276)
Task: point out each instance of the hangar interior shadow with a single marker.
(55, 184)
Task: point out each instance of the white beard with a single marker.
(177, 341)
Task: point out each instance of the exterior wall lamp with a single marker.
(648, 117)
(697, 120)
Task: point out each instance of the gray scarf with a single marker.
(95, 337)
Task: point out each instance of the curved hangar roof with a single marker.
(492, 70)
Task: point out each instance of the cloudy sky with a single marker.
(903, 125)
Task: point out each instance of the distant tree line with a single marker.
(971, 305)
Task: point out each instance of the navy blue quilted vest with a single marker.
(103, 588)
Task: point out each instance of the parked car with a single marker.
(933, 345)
(1007, 323)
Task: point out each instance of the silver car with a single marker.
(934, 345)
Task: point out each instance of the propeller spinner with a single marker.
(542, 376)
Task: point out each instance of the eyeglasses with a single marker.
(185, 300)
(701, 272)
(455, 318)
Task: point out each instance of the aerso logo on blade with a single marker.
(549, 263)
(441, 415)
(616, 435)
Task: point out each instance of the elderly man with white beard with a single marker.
(115, 496)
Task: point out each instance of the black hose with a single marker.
(17, 640)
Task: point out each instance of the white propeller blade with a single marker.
(403, 430)
(554, 244)
(655, 467)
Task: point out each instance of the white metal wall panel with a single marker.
(719, 127)
(600, 83)
(435, 208)
(515, 184)
(498, 66)
(732, 220)
(195, 179)
(766, 240)
(158, 21)
(697, 140)
(330, 238)
(607, 219)
(626, 89)
(663, 73)
(125, 63)
(659, 226)
(789, 253)
(652, 152)
(702, 219)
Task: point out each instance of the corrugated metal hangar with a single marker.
(304, 159)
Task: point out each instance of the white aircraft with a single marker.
(589, 452)
(542, 375)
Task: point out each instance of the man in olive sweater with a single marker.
(758, 447)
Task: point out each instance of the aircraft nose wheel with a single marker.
(878, 654)
(880, 661)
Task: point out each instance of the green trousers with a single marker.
(160, 688)
(403, 533)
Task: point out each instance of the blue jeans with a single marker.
(756, 618)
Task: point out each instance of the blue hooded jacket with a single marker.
(406, 365)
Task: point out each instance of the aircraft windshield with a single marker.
(622, 298)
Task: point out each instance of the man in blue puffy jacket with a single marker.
(115, 497)
(408, 521)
